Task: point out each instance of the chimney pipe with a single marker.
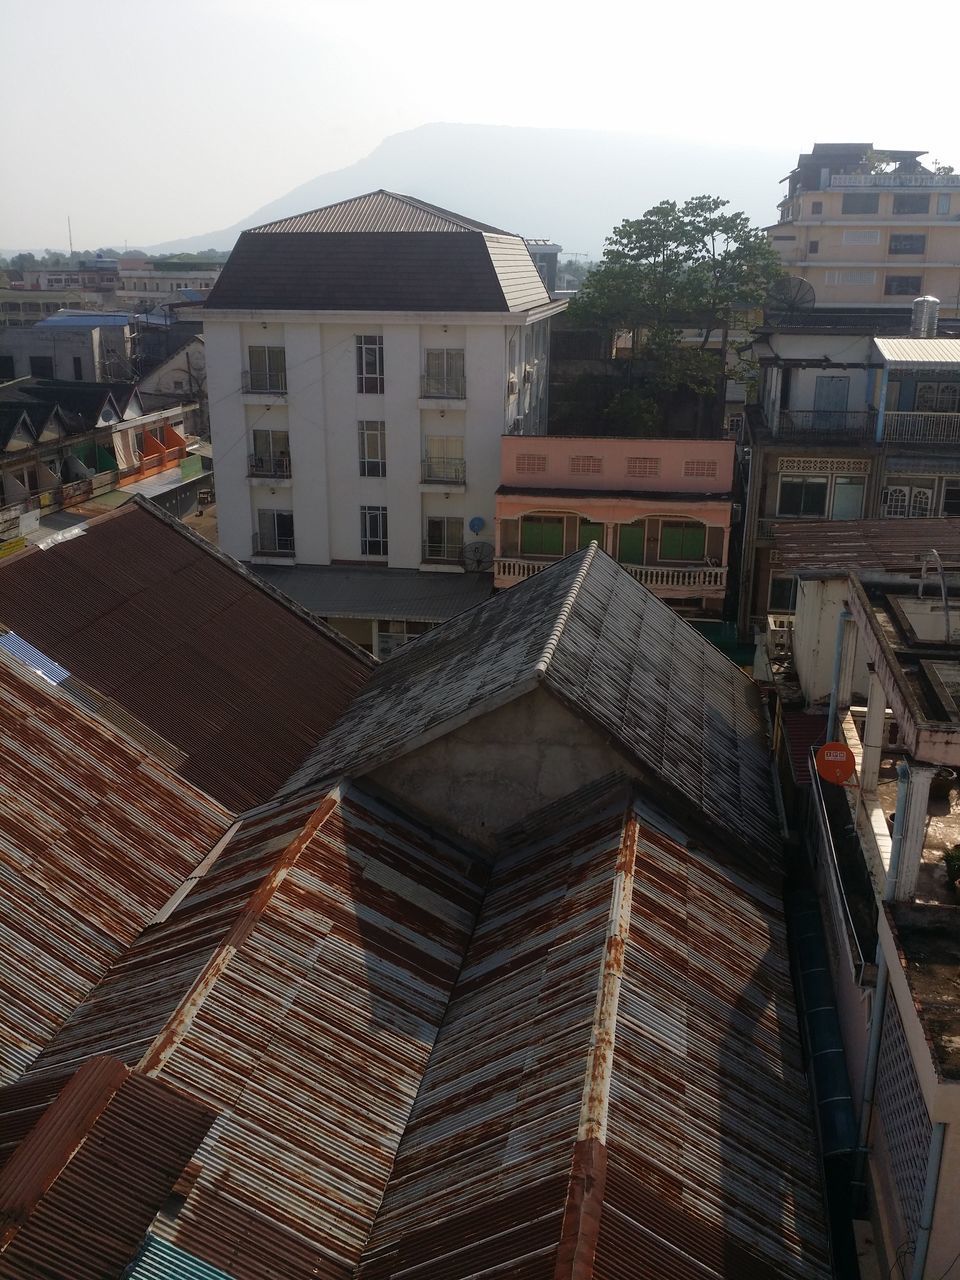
(926, 312)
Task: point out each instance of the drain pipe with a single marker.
(929, 1201)
(842, 620)
(883, 981)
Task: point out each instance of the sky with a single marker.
(146, 122)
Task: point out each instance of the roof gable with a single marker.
(621, 659)
(380, 211)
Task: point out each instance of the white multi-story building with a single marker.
(363, 361)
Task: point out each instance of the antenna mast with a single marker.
(70, 235)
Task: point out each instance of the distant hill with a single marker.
(571, 185)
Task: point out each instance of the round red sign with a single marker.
(835, 762)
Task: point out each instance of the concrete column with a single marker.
(847, 660)
(914, 830)
(873, 734)
(609, 539)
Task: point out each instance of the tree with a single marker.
(678, 266)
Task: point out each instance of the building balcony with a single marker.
(450, 387)
(443, 471)
(273, 546)
(922, 428)
(442, 552)
(895, 180)
(824, 426)
(663, 580)
(263, 384)
(276, 467)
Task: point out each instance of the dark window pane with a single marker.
(791, 497)
(909, 285)
(783, 594)
(908, 244)
(911, 202)
(860, 202)
(41, 366)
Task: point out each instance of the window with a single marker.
(178, 384)
(631, 542)
(648, 467)
(681, 540)
(861, 237)
(590, 531)
(816, 208)
(699, 468)
(943, 204)
(373, 448)
(951, 498)
(860, 202)
(814, 246)
(41, 366)
(443, 460)
(528, 462)
(275, 532)
(784, 237)
(938, 397)
(911, 202)
(444, 374)
(271, 453)
(583, 464)
(370, 364)
(783, 595)
(6, 369)
(913, 500)
(373, 531)
(394, 632)
(541, 536)
(851, 276)
(77, 369)
(908, 244)
(848, 497)
(902, 285)
(268, 368)
(802, 496)
(444, 540)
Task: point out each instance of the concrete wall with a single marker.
(670, 457)
(103, 352)
(819, 603)
(459, 780)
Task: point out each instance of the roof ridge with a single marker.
(542, 664)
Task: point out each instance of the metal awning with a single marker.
(919, 353)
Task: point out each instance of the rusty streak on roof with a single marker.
(842, 546)
(95, 835)
(691, 1141)
(204, 654)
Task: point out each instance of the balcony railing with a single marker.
(922, 428)
(765, 528)
(827, 424)
(450, 387)
(266, 384)
(442, 552)
(443, 471)
(705, 578)
(272, 546)
(276, 466)
(895, 180)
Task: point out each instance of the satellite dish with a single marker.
(477, 557)
(790, 296)
(835, 763)
(476, 524)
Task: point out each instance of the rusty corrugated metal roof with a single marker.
(842, 546)
(95, 835)
(621, 1045)
(594, 637)
(381, 211)
(205, 655)
(81, 1189)
(298, 989)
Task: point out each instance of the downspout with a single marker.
(842, 620)
(929, 1201)
(882, 402)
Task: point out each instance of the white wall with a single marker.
(819, 604)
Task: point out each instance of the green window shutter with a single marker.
(671, 542)
(631, 543)
(590, 532)
(694, 541)
(541, 536)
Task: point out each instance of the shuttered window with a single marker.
(541, 536)
(682, 541)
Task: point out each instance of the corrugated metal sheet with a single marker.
(328, 987)
(521, 282)
(334, 591)
(380, 211)
(25, 652)
(918, 353)
(161, 1260)
(96, 1168)
(95, 835)
(586, 631)
(844, 546)
(710, 1161)
(187, 642)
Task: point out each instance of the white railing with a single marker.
(709, 579)
(926, 428)
(895, 180)
(517, 569)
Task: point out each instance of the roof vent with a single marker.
(926, 312)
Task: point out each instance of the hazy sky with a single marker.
(146, 122)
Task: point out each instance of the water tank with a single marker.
(923, 323)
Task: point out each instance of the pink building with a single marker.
(660, 507)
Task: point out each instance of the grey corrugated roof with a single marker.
(378, 211)
(918, 353)
(603, 644)
(332, 591)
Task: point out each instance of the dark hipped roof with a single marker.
(864, 545)
(594, 637)
(373, 255)
(218, 664)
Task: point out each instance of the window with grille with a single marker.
(861, 237)
(940, 397)
(699, 467)
(909, 285)
(643, 467)
(908, 244)
(527, 462)
(585, 464)
(904, 1116)
(444, 540)
(443, 460)
(271, 453)
(373, 531)
(851, 276)
(911, 202)
(373, 446)
(268, 368)
(369, 364)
